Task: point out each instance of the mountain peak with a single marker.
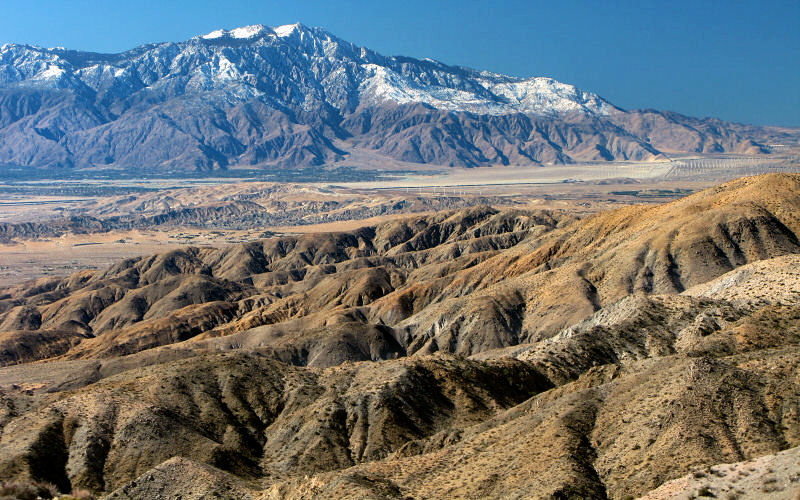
(303, 73)
(287, 29)
(254, 31)
(244, 32)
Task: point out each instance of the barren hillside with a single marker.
(470, 353)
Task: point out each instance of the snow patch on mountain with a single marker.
(50, 73)
(383, 84)
(302, 71)
(542, 96)
(545, 95)
(286, 29)
(242, 33)
(247, 31)
(214, 34)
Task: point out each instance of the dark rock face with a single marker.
(294, 95)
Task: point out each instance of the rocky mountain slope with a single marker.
(770, 476)
(294, 95)
(467, 354)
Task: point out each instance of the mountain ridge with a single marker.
(282, 97)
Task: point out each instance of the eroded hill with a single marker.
(473, 353)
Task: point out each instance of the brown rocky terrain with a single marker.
(474, 353)
(243, 206)
(770, 476)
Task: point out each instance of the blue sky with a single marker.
(737, 60)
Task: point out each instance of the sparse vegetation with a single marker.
(23, 490)
(471, 352)
(705, 492)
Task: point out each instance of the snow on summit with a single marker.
(214, 34)
(242, 33)
(286, 29)
(316, 67)
(247, 31)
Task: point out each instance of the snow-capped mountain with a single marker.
(244, 62)
(259, 95)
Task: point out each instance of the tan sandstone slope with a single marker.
(473, 354)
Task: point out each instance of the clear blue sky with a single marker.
(737, 60)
